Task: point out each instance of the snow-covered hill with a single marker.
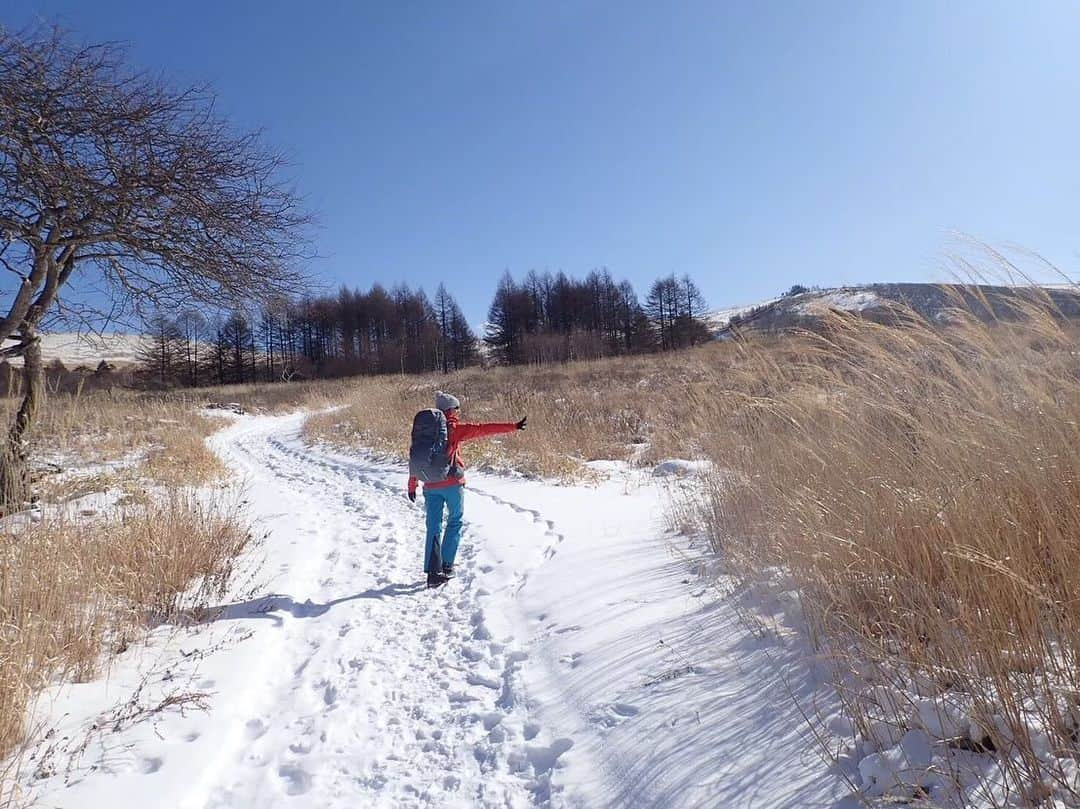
(75, 349)
(932, 301)
(720, 318)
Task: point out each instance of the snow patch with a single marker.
(847, 300)
(901, 770)
(678, 467)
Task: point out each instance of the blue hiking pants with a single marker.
(452, 498)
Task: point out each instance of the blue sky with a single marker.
(751, 145)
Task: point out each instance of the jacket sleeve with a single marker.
(467, 431)
(412, 484)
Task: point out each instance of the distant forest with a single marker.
(545, 318)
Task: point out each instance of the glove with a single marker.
(412, 497)
(521, 424)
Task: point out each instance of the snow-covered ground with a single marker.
(583, 657)
(720, 318)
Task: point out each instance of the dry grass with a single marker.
(72, 592)
(157, 437)
(276, 398)
(160, 439)
(921, 488)
(627, 408)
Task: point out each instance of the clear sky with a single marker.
(751, 144)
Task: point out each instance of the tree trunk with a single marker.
(14, 463)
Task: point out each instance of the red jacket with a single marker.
(458, 433)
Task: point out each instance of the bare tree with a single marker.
(161, 350)
(140, 188)
(444, 309)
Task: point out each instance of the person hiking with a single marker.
(446, 493)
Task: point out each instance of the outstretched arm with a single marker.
(468, 431)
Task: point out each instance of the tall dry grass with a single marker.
(73, 591)
(920, 486)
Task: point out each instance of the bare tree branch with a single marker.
(145, 185)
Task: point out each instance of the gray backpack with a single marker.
(429, 457)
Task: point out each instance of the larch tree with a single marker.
(138, 187)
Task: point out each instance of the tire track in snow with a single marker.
(386, 694)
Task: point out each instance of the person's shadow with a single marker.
(270, 606)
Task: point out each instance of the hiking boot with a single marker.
(448, 571)
(436, 579)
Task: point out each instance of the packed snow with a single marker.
(583, 657)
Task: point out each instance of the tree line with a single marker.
(554, 318)
(545, 318)
(355, 332)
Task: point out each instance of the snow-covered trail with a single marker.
(377, 692)
(578, 660)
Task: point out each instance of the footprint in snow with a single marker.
(471, 653)
(544, 758)
(489, 719)
(301, 747)
(572, 660)
(295, 780)
(614, 713)
(330, 694)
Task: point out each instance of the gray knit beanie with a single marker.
(444, 401)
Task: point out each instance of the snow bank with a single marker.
(917, 732)
(720, 318)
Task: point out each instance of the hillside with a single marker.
(876, 301)
(88, 350)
